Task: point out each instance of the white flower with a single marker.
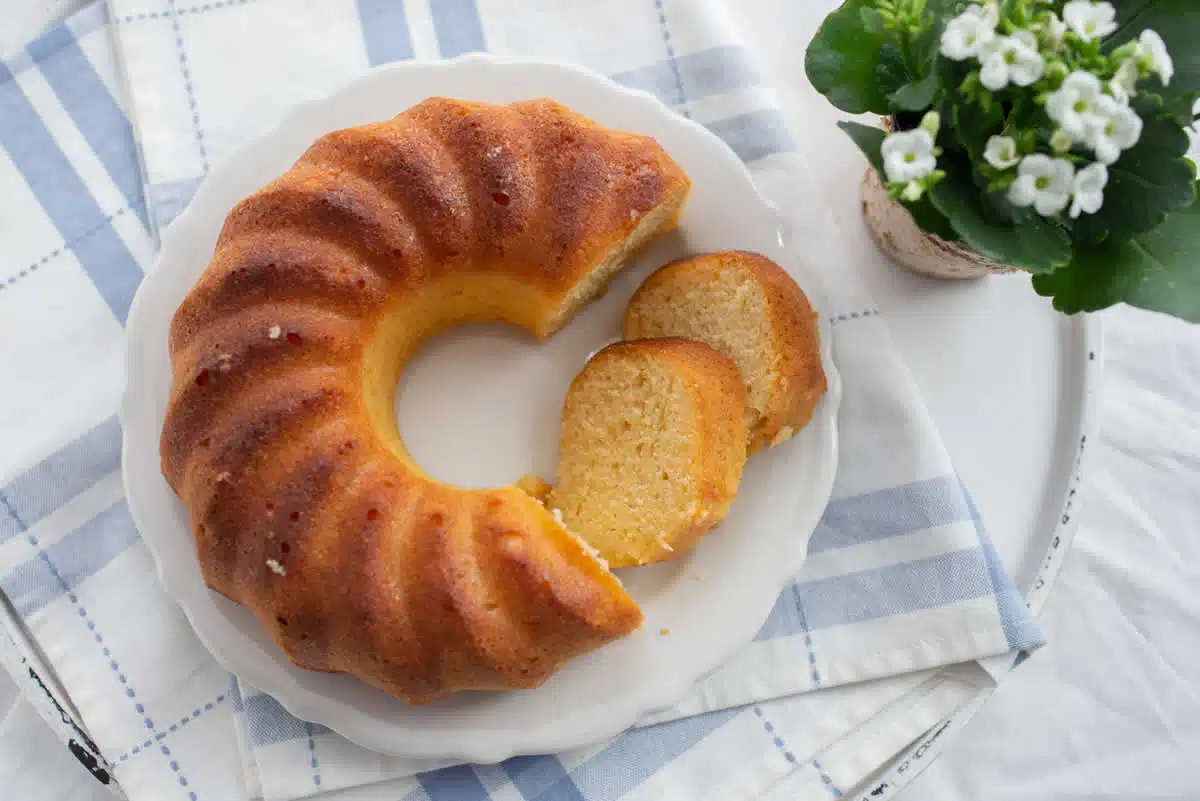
(1115, 127)
(1089, 189)
(1152, 52)
(908, 155)
(1090, 20)
(969, 31)
(1011, 59)
(1044, 183)
(1124, 83)
(1073, 105)
(1001, 152)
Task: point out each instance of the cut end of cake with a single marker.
(748, 308)
(652, 449)
(646, 227)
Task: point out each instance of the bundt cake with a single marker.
(749, 308)
(280, 436)
(652, 448)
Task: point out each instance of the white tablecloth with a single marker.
(1111, 708)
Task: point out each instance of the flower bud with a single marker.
(1056, 72)
(1125, 51)
(931, 122)
(1061, 142)
(912, 193)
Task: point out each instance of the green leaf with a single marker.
(945, 9)
(870, 141)
(1157, 270)
(1127, 9)
(928, 42)
(1178, 108)
(890, 72)
(930, 220)
(997, 209)
(1032, 243)
(1149, 181)
(1178, 23)
(975, 126)
(841, 61)
(873, 21)
(916, 96)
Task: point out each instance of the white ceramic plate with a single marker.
(479, 406)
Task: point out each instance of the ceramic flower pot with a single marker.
(898, 235)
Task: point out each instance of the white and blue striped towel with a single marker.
(875, 641)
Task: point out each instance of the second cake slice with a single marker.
(748, 308)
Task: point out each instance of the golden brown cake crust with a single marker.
(797, 378)
(279, 435)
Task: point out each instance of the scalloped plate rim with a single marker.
(306, 704)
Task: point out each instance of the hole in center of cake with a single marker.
(479, 405)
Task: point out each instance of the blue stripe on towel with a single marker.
(65, 198)
(235, 694)
(891, 513)
(755, 134)
(638, 754)
(168, 198)
(268, 722)
(541, 777)
(621, 766)
(624, 764)
(707, 72)
(61, 476)
(385, 31)
(458, 27)
(90, 18)
(1020, 629)
(92, 108)
(458, 783)
(880, 592)
(84, 552)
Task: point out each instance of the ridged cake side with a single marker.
(280, 436)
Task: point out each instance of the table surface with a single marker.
(1110, 708)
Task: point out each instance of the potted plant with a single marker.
(1036, 135)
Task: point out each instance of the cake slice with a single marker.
(748, 308)
(652, 447)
